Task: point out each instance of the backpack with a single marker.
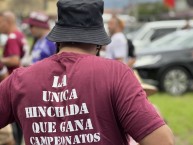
(131, 49)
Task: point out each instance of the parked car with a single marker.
(153, 30)
(169, 64)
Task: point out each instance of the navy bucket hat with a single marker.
(80, 21)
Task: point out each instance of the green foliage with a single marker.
(151, 10)
(178, 112)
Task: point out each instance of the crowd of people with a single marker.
(85, 99)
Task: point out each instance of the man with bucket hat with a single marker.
(75, 97)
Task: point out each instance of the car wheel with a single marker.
(175, 81)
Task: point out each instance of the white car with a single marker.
(153, 30)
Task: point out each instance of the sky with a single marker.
(122, 3)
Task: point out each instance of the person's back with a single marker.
(77, 97)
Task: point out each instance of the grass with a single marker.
(178, 111)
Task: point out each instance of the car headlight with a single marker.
(147, 60)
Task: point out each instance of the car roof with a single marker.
(179, 35)
(157, 24)
(173, 24)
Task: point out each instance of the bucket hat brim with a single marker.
(96, 36)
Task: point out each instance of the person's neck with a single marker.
(82, 49)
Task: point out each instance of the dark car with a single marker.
(169, 64)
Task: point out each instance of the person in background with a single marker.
(13, 52)
(16, 43)
(118, 48)
(77, 97)
(39, 27)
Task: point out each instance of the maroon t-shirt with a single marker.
(14, 47)
(77, 99)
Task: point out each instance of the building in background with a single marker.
(23, 7)
(4, 4)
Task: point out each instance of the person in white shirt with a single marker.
(118, 48)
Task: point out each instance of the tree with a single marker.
(151, 11)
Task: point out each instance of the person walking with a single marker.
(39, 27)
(75, 97)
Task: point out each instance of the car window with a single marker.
(167, 28)
(141, 32)
(148, 35)
(161, 32)
(167, 39)
(177, 40)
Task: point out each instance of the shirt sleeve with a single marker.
(13, 47)
(6, 113)
(136, 114)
